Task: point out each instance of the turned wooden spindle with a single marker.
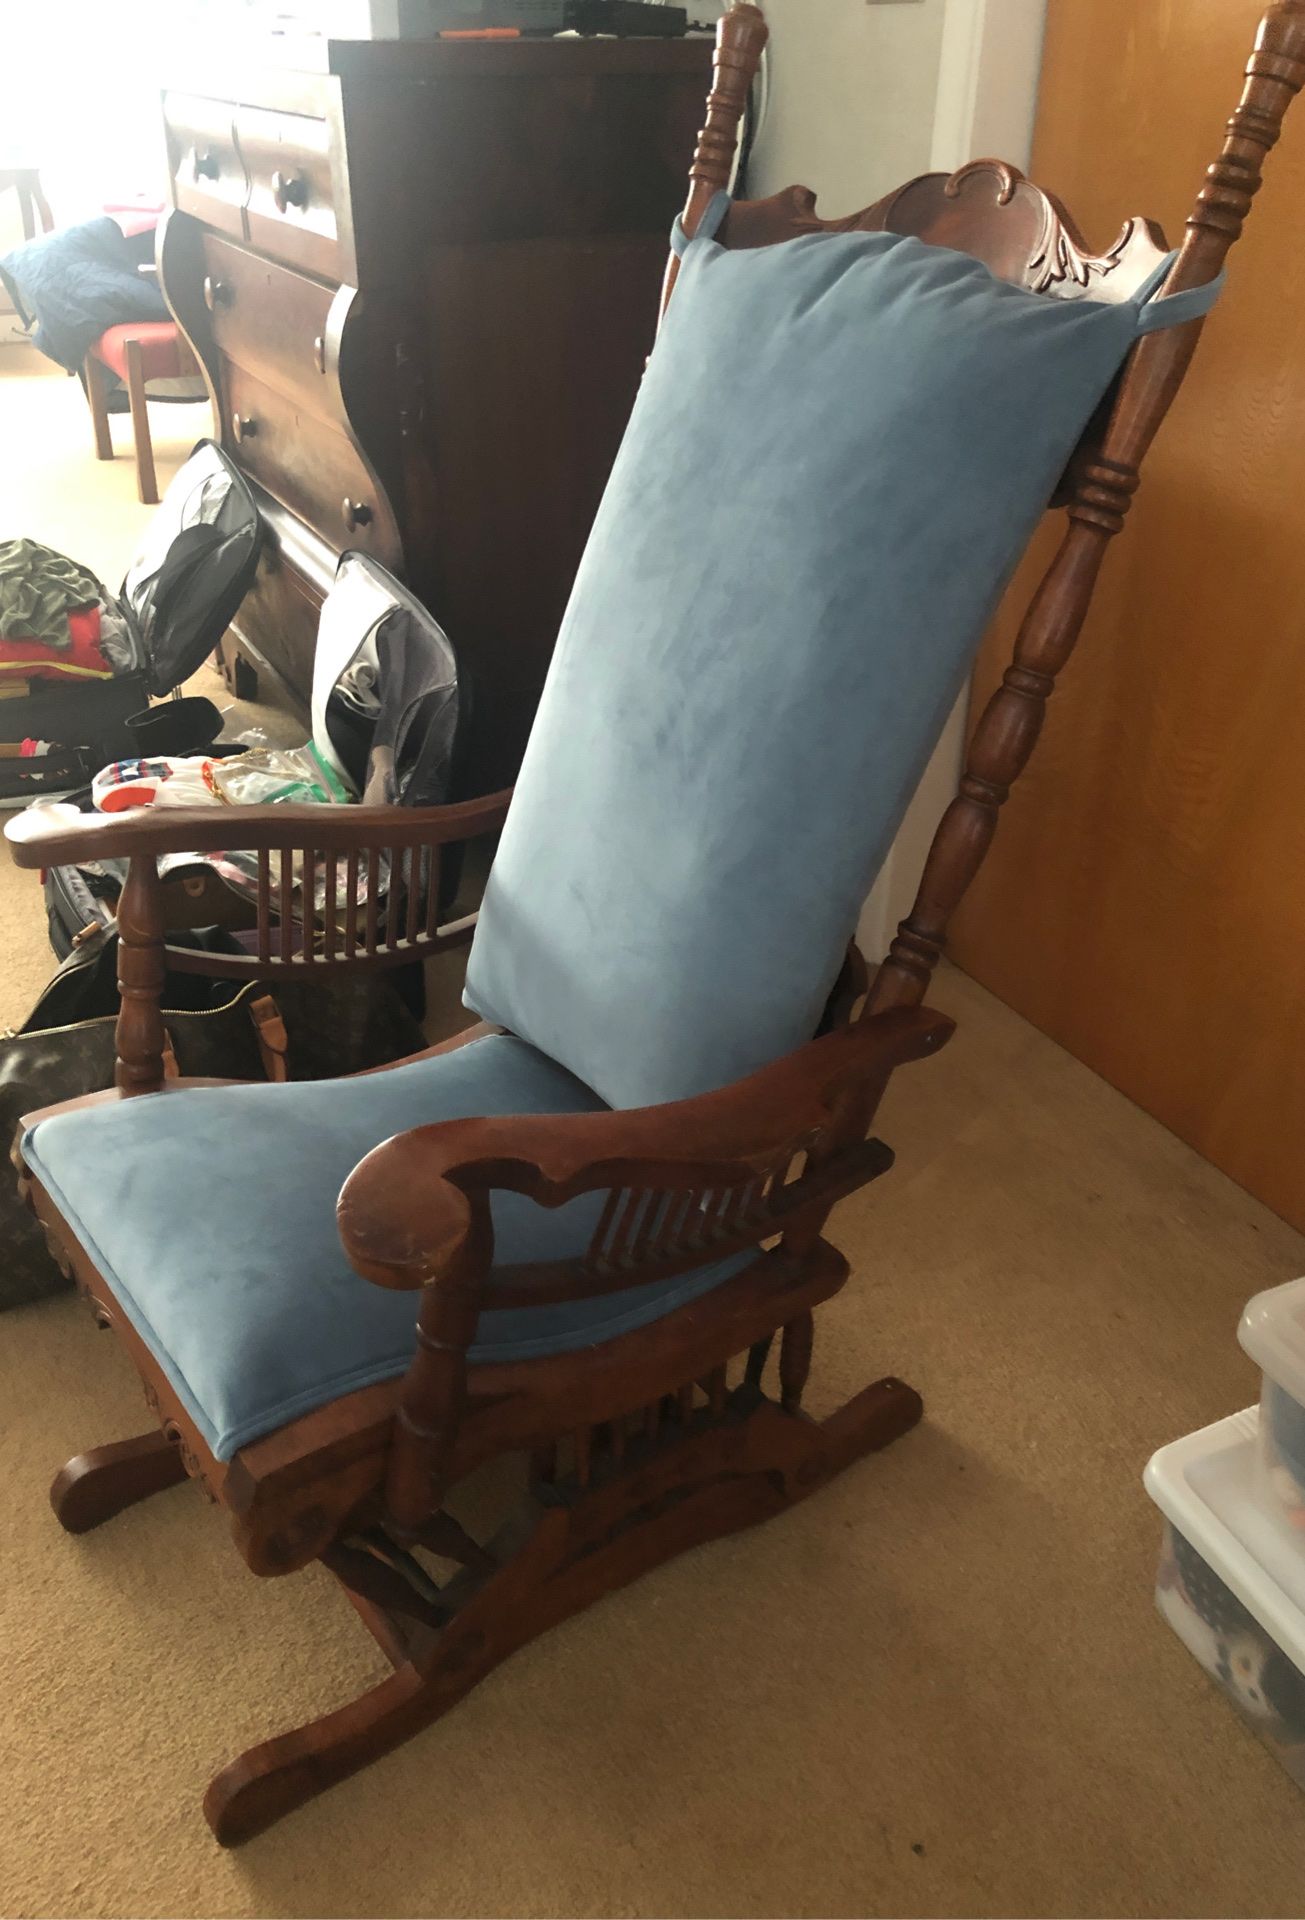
(740, 37)
(435, 1385)
(140, 1037)
(1103, 487)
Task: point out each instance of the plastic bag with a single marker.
(158, 781)
(268, 775)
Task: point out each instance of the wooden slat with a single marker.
(598, 1255)
(286, 895)
(432, 865)
(351, 904)
(676, 1219)
(264, 905)
(392, 903)
(635, 1199)
(723, 1213)
(308, 901)
(413, 920)
(373, 896)
(695, 1220)
(648, 1230)
(330, 910)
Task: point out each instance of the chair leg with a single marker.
(97, 396)
(96, 1486)
(147, 487)
(701, 1479)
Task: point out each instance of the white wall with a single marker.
(852, 97)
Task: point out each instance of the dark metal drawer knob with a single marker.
(356, 514)
(204, 163)
(289, 190)
(244, 427)
(217, 293)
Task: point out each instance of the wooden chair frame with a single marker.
(95, 374)
(647, 1445)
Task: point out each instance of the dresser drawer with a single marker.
(307, 463)
(208, 176)
(271, 321)
(293, 209)
(277, 623)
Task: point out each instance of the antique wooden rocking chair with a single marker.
(610, 1317)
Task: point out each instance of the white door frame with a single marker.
(987, 94)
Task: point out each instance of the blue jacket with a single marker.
(74, 284)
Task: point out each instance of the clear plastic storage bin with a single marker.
(1231, 1582)
(1273, 1333)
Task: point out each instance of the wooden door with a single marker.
(1144, 902)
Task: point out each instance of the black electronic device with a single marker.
(623, 18)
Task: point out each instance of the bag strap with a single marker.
(1172, 309)
(708, 227)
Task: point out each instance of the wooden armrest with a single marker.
(414, 1210)
(43, 837)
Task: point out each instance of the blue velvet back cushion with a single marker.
(840, 449)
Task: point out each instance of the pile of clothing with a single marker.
(56, 621)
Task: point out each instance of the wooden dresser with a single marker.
(422, 281)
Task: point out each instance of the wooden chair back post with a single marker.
(740, 37)
(1103, 483)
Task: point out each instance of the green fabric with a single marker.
(39, 588)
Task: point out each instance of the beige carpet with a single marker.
(937, 1689)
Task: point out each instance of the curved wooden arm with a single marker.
(687, 1184)
(42, 837)
(407, 1213)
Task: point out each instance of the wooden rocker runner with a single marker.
(604, 1206)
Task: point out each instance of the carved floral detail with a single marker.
(1064, 259)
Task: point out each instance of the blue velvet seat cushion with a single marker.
(840, 449)
(211, 1213)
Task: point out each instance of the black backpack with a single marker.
(180, 595)
(186, 584)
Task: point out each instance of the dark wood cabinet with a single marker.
(422, 281)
